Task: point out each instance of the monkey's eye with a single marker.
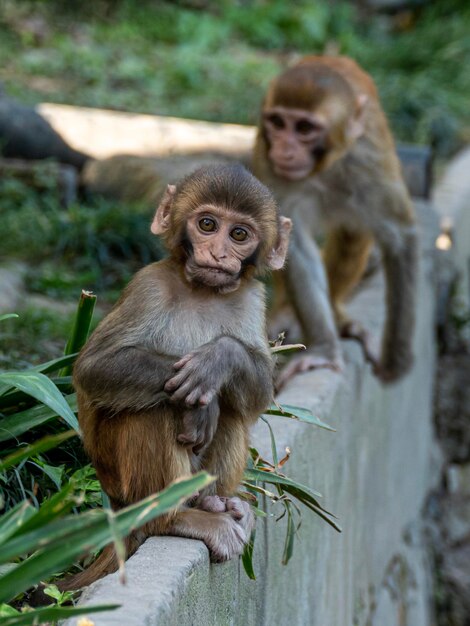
(239, 234)
(304, 127)
(276, 120)
(207, 224)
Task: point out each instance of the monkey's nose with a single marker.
(218, 255)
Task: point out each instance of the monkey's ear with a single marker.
(357, 124)
(277, 256)
(161, 221)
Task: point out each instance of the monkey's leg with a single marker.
(308, 291)
(135, 455)
(223, 522)
(162, 460)
(226, 458)
(345, 256)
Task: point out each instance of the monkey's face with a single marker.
(221, 244)
(296, 141)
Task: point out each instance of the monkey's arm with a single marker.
(400, 267)
(243, 374)
(122, 377)
(308, 291)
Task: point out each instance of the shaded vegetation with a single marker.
(212, 60)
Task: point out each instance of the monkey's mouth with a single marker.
(291, 172)
(216, 270)
(211, 276)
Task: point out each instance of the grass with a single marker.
(212, 60)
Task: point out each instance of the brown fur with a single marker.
(357, 195)
(130, 424)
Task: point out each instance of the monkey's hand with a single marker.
(303, 363)
(201, 374)
(199, 426)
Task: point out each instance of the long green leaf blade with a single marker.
(40, 387)
(252, 474)
(290, 535)
(18, 423)
(44, 444)
(14, 519)
(56, 364)
(53, 613)
(57, 552)
(247, 557)
(297, 413)
(7, 316)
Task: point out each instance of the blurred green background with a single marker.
(200, 59)
(212, 60)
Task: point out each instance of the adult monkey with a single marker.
(324, 147)
(174, 376)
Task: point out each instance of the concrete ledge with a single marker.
(374, 473)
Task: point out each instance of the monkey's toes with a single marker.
(236, 508)
(304, 363)
(213, 504)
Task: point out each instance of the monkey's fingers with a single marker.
(176, 381)
(213, 504)
(183, 361)
(186, 440)
(304, 363)
(236, 508)
(193, 396)
(207, 397)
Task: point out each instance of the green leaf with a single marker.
(6, 610)
(273, 442)
(275, 479)
(7, 316)
(18, 423)
(54, 507)
(290, 536)
(52, 614)
(53, 472)
(44, 444)
(60, 543)
(14, 519)
(56, 364)
(40, 387)
(297, 413)
(247, 557)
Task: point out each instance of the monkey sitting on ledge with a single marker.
(172, 379)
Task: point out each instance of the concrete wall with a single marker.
(452, 202)
(374, 473)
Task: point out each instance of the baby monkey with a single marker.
(172, 379)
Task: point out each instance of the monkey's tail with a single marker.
(106, 563)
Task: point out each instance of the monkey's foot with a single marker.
(304, 363)
(353, 330)
(235, 531)
(237, 508)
